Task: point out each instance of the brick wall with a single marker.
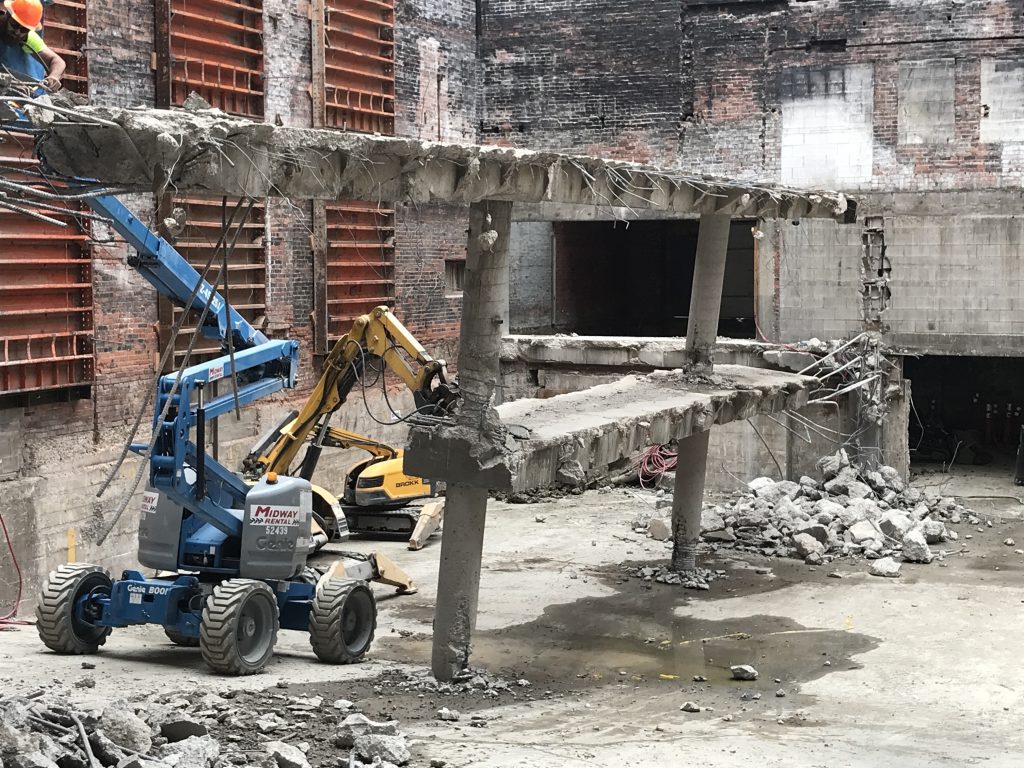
(591, 76)
(55, 456)
(426, 237)
(437, 92)
(916, 107)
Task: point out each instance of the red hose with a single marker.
(654, 462)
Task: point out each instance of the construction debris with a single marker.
(885, 566)
(469, 682)
(43, 729)
(849, 512)
(743, 672)
(429, 520)
(698, 579)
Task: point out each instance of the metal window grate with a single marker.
(212, 47)
(359, 65)
(247, 270)
(360, 262)
(46, 300)
(353, 89)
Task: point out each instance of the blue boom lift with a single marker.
(236, 551)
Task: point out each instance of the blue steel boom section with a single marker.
(211, 492)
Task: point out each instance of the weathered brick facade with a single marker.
(916, 107)
(55, 455)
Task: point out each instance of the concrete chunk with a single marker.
(915, 547)
(378, 747)
(934, 531)
(711, 520)
(193, 752)
(126, 729)
(660, 529)
(895, 524)
(831, 466)
(807, 545)
(743, 672)
(285, 755)
(817, 530)
(356, 725)
(885, 566)
(864, 531)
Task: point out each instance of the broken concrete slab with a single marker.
(789, 360)
(601, 426)
(209, 151)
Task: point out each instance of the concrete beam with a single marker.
(630, 352)
(601, 426)
(207, 151)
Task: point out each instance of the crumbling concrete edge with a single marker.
(598, 449)
(450, 453)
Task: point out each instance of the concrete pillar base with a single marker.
(458, 579)
(688, 499)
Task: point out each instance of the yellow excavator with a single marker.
(377, 489)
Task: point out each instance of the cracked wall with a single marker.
(914, 105)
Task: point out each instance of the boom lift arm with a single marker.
(239, 551)
(214, 493)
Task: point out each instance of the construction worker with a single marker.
(22, 50)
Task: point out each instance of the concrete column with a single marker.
(706, 297)
(485, 301)
(688, 499)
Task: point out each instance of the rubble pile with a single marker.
(43, 730)
(850, 512)
(696, 579)
(469, 682)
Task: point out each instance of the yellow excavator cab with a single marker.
(384, 484)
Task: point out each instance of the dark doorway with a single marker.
(634, 279)
(967, 410)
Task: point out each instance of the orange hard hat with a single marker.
(28, 13)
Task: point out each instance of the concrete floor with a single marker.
(987, 489)
(919, 671)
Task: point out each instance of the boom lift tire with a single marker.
(185, 641)
(342, 620)
(58, 626)
(239, 627)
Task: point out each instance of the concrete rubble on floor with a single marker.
(850, 512)
(601, 427)
(41, 729)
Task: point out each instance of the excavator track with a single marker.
(399, 523)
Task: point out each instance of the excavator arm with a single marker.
(377, 340)
(342, 438)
